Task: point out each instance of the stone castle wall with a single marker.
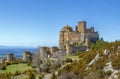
(68, 36)
(53, 50)
(70, 49)
(82, 36)
(46, 52)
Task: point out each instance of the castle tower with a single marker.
(10, 57)
(69, 49)
(70, 36)
(64, 36)
(26, 55)
(81, 27)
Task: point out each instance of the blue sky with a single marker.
(38, 22)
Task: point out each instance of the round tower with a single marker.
(10, 57)
(26, 55)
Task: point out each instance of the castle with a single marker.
(81, 36)
(71, 41)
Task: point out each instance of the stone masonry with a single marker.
(10, 57)
(81, 35)
(48, 51)
(26, 55)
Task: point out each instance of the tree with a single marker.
(31, 75)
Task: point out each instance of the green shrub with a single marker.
(7, 63)
(2, 67)
(41, 76)
(102, 74)
(116, 62)
(108, 73)
(16, 73)
(5, 75)
(68, 60)
(31, 75)
(53, 76)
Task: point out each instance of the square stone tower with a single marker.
(81, 27)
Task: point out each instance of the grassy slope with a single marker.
(73, 57)
(16, 67)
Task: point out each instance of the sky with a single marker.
(38, 22)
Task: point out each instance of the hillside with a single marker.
(102, 61)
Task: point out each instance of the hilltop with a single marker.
(101, 62)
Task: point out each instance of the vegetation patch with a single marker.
(73, 57)
(16, 67)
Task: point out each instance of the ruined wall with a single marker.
(79, 48)
(70, 49)
(93, 37)
(53, 50)
(44, 52)
(10, 57)
(26, 55)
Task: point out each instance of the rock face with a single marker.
(94, 60)
(80, 35)
(108, 67)
(115, 75)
